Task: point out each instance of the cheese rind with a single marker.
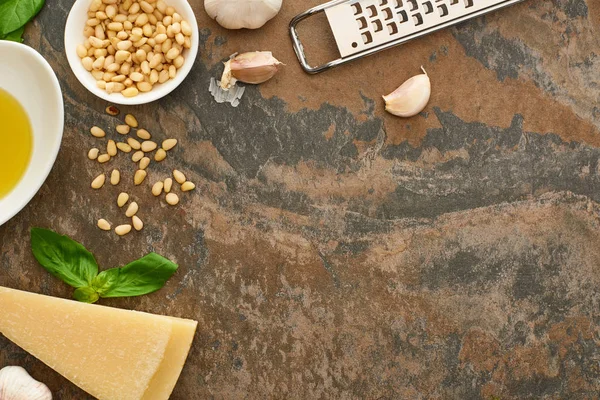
(108, 352)
(166, 377)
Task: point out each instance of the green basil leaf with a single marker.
(16, 13)
(143, 276)
(86, 295)
(14, 36)
(63, 257)
(106, 280)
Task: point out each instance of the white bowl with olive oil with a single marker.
(31, 125)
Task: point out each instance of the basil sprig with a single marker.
(14, 14)
(69, 261)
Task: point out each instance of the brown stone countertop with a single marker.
(332, 251)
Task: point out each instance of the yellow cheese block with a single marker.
(110, 353)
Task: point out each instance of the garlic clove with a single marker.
(17, 384)
(253, 67)
(411, 97)
(238, 14)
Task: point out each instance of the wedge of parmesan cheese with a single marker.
(110, 353)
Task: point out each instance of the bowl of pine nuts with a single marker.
(131, 51)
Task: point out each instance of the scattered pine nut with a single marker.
(160, 155)
(137, 223)
(122, 230)
(143, 134)
(112, 110)
(169, 144)
(97, 132)
(172, 199)
(144, 162)
(157, 188)
(111, 148)
(168, 184)
(131, 121)
(137, 156)
(148, 146)
(187, 186)
(98, 181)
(123, 129)
(103, 224)
(103, 158)
(93, 153)
(132, 209)
(134, 143)
(122, 199)
(179, 176)
(139, 177)
(115, 177)
(124, 147)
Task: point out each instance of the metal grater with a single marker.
(365, 27)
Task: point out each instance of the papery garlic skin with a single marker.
(411, 97)
(17, 384)
(253, 67)
(238, 14)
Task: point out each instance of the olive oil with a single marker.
(17, 142)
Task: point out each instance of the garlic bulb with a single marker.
(254, 67)
(237, 14)
(410, 98)
(17, 384)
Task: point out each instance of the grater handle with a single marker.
(299, 48)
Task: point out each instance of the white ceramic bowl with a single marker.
(29, 78)
(74, 36)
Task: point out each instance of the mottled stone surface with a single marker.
(332, 251)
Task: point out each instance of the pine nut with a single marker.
(148, 146)
(81, 51)
(160, 38)
(187, 186)
(103, 158)
(98, 181)
(139, 177)
(123, 129)
(87, 63)
(112, 110)
(124, 147)
(137, 223)
(99, 63)
(157, 188)
(93, 153)
(163, 76)
(172, 199)
(143, 134)
(137, 156)
(124, 45)
(134, 143)
(131, 121)
(144, 86)
(132, 209)
(186, 28)
(111, 148)
(144, 162)
(168, 183)
(179, 176)
(115, 177)
(130, 92)
(160, 155)
(103, 224)
(136, 76)
(97, 132)
(178, 62)
(123, 230)
(169, 144)
(122, 199)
